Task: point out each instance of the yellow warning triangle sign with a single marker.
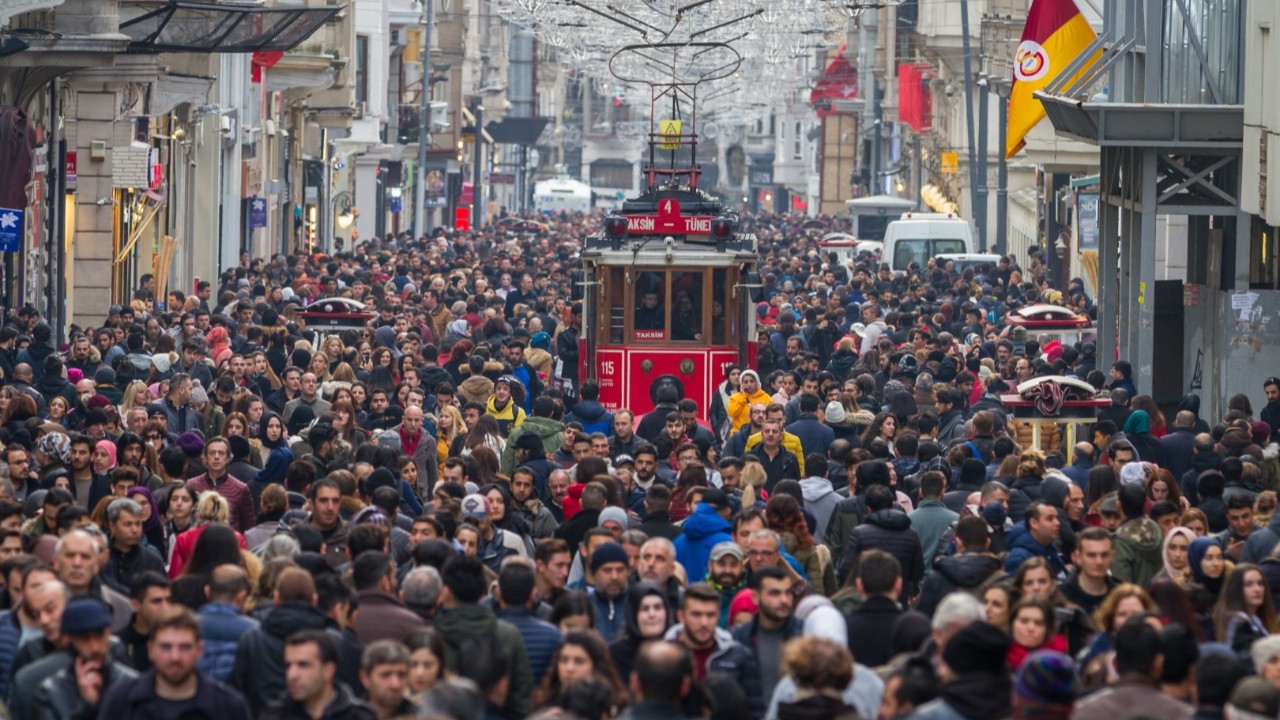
(670, 132)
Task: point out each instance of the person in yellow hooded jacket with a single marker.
(749, 392)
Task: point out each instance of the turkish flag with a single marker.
(263, 59)
(838, 82)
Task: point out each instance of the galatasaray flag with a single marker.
(1056, 33)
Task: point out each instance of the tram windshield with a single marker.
(682, 306)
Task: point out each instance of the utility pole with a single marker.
(868, 29)
(477, 178)
(983, 192)
(1002, 178)
(968, 108)
(420, 224)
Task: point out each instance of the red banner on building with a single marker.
(915, 99)
(838, 82)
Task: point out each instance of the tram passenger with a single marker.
(686, 318)
(650, 314)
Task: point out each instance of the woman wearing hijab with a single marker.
(152, 524)
(273, 473)
(104, 457)
(1176, 554)
(649, 615)
(1138, 430)
(1209, 568)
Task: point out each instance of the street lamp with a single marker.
(345, 217)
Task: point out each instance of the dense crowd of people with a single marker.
(209, 509)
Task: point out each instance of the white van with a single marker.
(916, 237)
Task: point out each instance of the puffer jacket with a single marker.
(1139, 556)
(259, 667)
(593, 416)
(967, 572)
(735, 660)
(702, 531)
(1022, 493)
(1023, 546)
(222, 626)
(888, 530)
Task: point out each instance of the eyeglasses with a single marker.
(154, 436)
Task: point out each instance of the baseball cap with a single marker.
(475, 505)
(726, 548)
(625, 459)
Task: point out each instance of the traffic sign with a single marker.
(670, 132)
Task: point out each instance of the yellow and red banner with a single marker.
(1056, 33)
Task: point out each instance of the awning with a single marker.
(224, 28)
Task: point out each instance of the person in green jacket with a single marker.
(463, 619)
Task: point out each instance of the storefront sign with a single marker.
(1087, 209)
(10, 229)
(257, 213)
(71, 166)
(950, 163)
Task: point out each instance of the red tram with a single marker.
(666, 285)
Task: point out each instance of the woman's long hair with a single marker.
(1231, 601)
(601, 667)
(217, 545)
(784, 515)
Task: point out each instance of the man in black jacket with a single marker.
(259, 671)
(886, 528)
(871, 624)
(311, 667)
(972, 567)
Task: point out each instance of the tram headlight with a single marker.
(722, 228)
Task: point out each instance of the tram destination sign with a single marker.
(669, 221)
(679, 225)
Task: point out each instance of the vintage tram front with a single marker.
(667, 293)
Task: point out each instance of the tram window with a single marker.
(686, 305)
(719, 319)
(651, 313)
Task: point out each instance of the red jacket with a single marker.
(184, 545)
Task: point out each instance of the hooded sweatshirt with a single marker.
(624, 649)
(703, 530)
(821, 500)
(471, 622)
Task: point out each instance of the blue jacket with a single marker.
(541, 639)
(592, 415)
(222, 626)
(702, 531)
(814, 435)
(1079, 473)
(611, 615)
(1022, 546)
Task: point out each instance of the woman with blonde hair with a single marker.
(753, 482)
(449, 425)
(319, 366)
(212, 509)
(135, 395)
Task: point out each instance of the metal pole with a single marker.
(421, 225)
(1002, 177)
(968, 107)
(866, 89)
(477, 179)
(980, 211)
(917, 169)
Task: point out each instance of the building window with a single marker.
(797, 142)
(362, 68)
(611, 174)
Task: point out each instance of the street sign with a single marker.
(951, 163)
(71, 166)
(670, 132)
(502, 178)
(10, 229)
(462, 219)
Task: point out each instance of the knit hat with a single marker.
(198, 394)
(240, 447)
(728, 547)
(389, 439)
(98, 401)
(155, 408)
(191, 443)
(835, 412)
(978, 648)
(162, 362)
(541, 340)
(95, 416)
(743, 602)
(84, 615)
(1047, 677)
(74, 375)
(1261, 433)
(609, 552)
(615, 514)
(104, 376)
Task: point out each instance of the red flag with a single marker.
(838, 82)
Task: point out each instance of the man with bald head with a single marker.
(23, 377)
(1081, 463)
(222, 620)
(1180, 443)
(418, 444)
(660, 679)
